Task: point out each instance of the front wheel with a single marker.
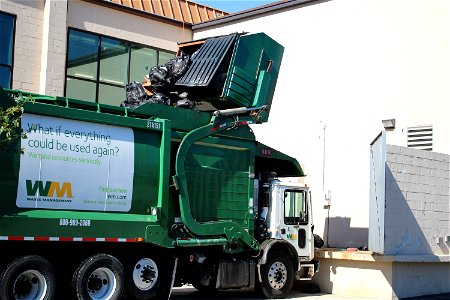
(277, 276)
(28, 277)
(99, 277)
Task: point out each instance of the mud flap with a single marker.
(165, 289)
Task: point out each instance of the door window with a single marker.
(295, 208)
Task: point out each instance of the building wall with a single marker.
(417, 214)
(412, 279)
(54, 41)
(348, 65)
(41, 37)
(355, 278)
(367, 275)
(28, 42)
(114, 23)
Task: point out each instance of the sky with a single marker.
(234, 5)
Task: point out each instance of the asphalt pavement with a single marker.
(189, 292)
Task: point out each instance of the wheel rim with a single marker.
(101, 284)
(30, 284)
(277, 275)
(145, 274)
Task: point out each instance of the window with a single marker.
(420, 137)
(99, 67)
(7, 28)
(295, 208)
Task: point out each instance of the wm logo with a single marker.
(291, 236)
(49, 189)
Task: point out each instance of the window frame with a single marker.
(305, 210)
(97, 81)
(13, 45)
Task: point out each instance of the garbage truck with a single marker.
(99, 201)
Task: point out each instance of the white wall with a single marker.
(348, 64)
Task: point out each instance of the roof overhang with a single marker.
(257, 11)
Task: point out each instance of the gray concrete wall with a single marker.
(420, 278)
(417, 215)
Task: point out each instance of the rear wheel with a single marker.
(277, 276)
(143, 278)
(99, 277)
(28, 277)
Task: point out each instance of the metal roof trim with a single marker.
(255, 12)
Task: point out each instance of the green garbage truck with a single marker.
(99, 201)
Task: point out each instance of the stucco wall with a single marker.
(417, 214)
(118, 24)
(348, 65)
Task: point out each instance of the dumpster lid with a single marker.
(206, 61)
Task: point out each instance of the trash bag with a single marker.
(318, 241)
(159, 76)
(135, 94)
(164, 75)
(185, 103)
(159, 98)
(180, 65)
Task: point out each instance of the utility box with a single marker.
(233, 71)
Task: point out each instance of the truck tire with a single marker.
(277, 276)
(28, 277)
(99, 277)
(143, 277)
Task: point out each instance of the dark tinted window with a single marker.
(99, 67)
(7, 23)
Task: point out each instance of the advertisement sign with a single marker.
(75, 165)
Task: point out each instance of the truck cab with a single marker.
(290, 218)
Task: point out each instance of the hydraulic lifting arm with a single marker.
(227, 232)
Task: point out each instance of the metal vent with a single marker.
(421, 137)
(206, 61)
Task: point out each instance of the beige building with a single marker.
(91, 49)
(351, 69)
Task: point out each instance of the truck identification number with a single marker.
(74, 222)
(153, 125)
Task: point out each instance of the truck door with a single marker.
(296, 221)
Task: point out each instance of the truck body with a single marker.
(98, 201)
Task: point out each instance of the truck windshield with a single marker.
(295, 208)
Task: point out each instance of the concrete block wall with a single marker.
(417, 214)
(28, 42)
(54, 41)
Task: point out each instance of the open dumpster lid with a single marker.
(284, 165)
(206, 61)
